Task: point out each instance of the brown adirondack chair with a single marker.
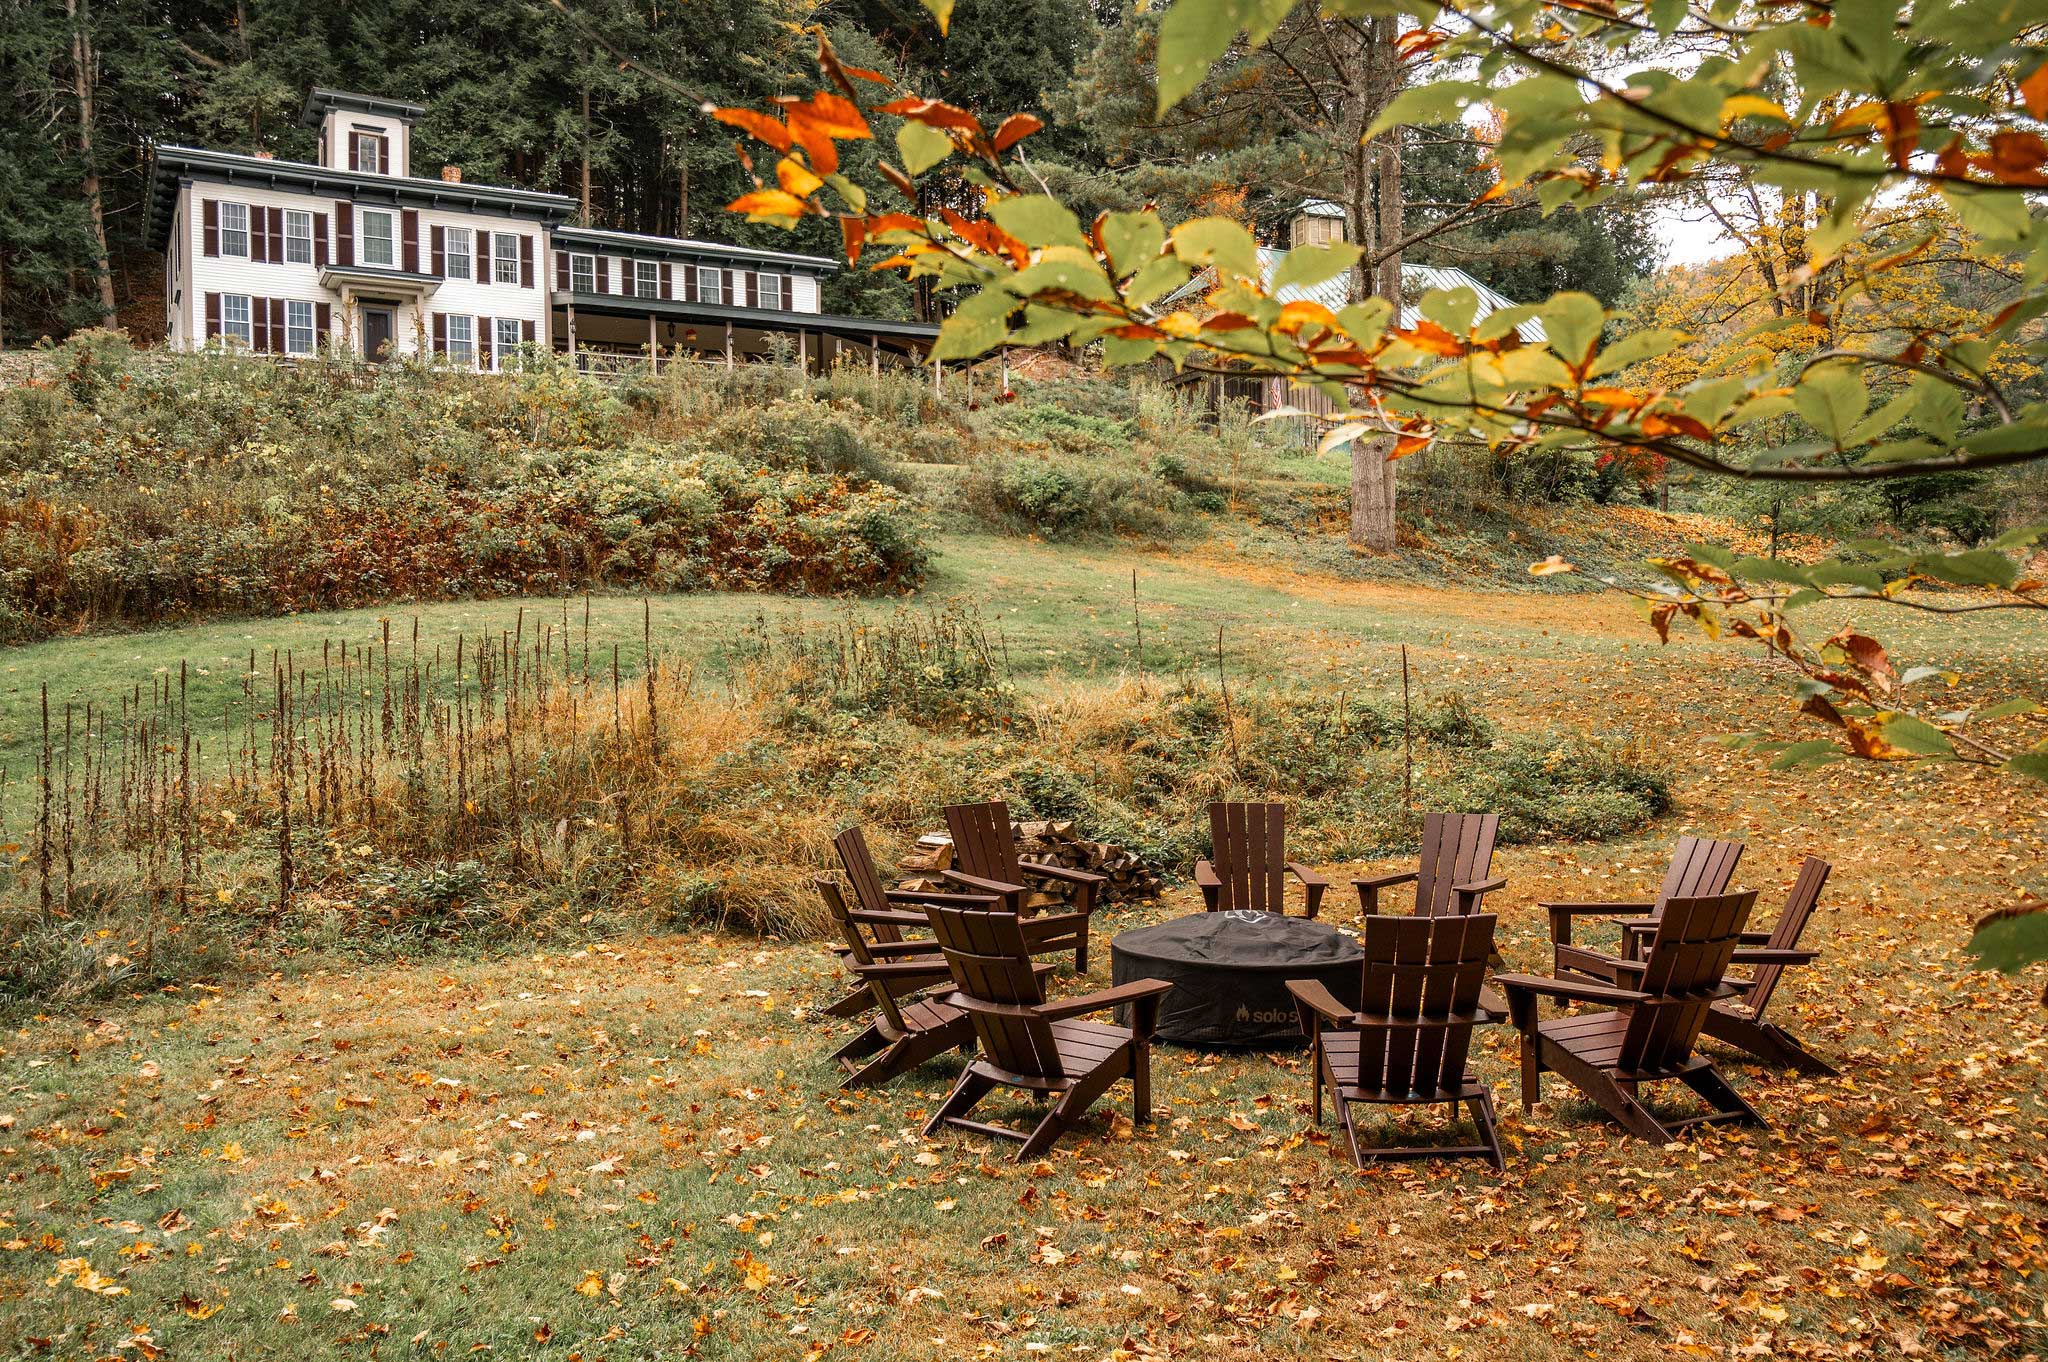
(1249, 844)
(1739, 1021)
(885, 914)
(1451, 873)
(985, 861)
(910, 1028)
(1409, 1040)
(1700, 867)
(1038, 1046)
(1650, 1034)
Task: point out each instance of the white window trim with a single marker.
(501, 348)
(505, 258)
(292, 328)
(246, 333)
(717, 278)
(650, 279)
(389, 239)
(782, 293)
(227, 208)
(295, 242)
(584, 267)
(369, 147)
(456, 246)
(462, 348)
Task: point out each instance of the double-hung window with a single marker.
(582, 274)
(369, 153)
(234, 318)
(647, 279)
(508, 339)
(298, 328)
(507, 253)
(462, 340)
(710, 284)
(455, 253)
(773, 290)
(234, 229)
(379, 233)
(298, 236)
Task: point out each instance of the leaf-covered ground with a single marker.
(637, 1148)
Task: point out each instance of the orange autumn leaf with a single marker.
(819, 123)
(796, 177)
(935, 113)
(768, 203)
(761, 127)
(2034, 91)
(1015, 129)
(1427, 335)
(1296, 315)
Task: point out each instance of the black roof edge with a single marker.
(617, 305)
(320, 99)
(173, 165)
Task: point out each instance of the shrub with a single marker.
(1063, 497)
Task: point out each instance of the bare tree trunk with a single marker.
(586, 139)
(81, 69)
(1372, 212)
(683, 196)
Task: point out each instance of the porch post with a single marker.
(572, 337)
(874, 355)
(938, 379)
(1006, 374)
(653, 347)
(803, 351)
(728, 345)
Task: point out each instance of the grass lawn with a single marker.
(631, 1149)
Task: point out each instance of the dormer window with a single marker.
(369, 155)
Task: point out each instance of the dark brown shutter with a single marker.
(323, 321)
(210, 212)
(320, 241)
(561, 271)
(410, 220)
(355, 160)
(259, 243)
(486, 343)
(689, 283)
(480, 268)
(440, 250)
(599, 268)
(212, 316)
(753, 286)
(668, 273)
(277, 336)
(277, 235)
(345, 233)
(440, 330)
(259, 325)
(384, 155)
(526, 332)
(526, 262)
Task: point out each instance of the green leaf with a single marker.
(1064, 269)
(1217, 241)
(1195, 33)
(1832, 399)
(1572, 321)
(1977, 567)
(1937, 407)
(1307, 266)
(1634, 347)
(1816, 752)
(2011, 939)
(1160, 276)
(1992, 214)
(1117, 351)
(1917, 736)
(1038, 220)
(1131, 239)
(2005, 709)
(1438, 101)
(922, 146)
(966, 336)
(2033, 764)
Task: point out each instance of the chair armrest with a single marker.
(1575, 908)
(997, 887)
(1387, 880)
(1759, 956)
(887, 948)
(933, 896)
(1570, 989)
(888, 917)
(1478, 887)
(1306, 875)
(1065, 920)
(1754, 938)
(1134, 992)
(1205, 876)
(1313, 998)
(902, 969)
(1060, 872)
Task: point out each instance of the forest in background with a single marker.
(530, 94)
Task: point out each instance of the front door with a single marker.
(379, 326)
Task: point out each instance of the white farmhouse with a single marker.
(356, 252)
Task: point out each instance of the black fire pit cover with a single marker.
(1229, 973)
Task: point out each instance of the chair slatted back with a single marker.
(1799, 906)
(983, 844)
(1425, 971)
(991, 964)
(1700, 867)
(1249, 843)
(1688, 959)
(1457, 848)
(868, 890)
(857, 947)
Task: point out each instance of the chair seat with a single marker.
(1341, 1048)
(1085, 1044)
(1596, 1037)
(928, 1014)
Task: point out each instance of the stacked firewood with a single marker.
(1052, 842)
